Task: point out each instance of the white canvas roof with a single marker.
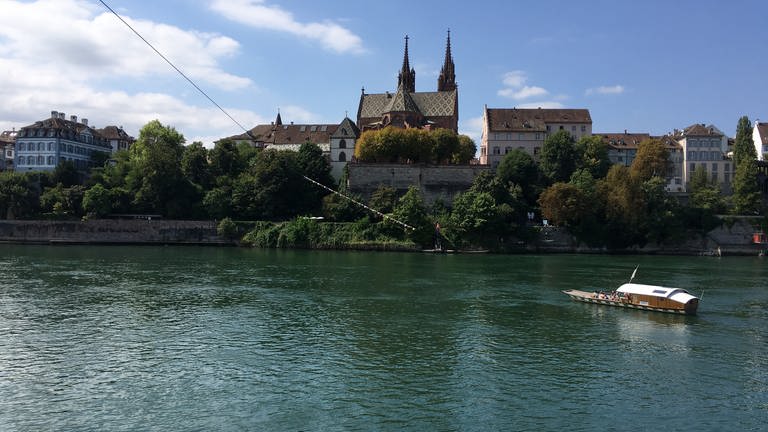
(676, 294)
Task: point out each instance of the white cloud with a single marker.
(256, 13)
(473, 128)
(605, 90)
(515, 87)
(59, 54)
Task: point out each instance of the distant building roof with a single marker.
(623, 140)
(762, 129)
(702, 131)
(287, 134)
(533, 119)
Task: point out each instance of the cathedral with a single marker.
(407, 108)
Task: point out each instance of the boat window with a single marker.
(657, 291)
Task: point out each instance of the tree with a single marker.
(18, 195)
(746, 192)
(383, 199)
(66, 174)
(704, 193)
(743, 147)
(593, 153)
(558, 156)
(195, 166)
(411, 210)
(564, 204)
(155, 174)
(62, 201)
(98, 201)
(652, 159)
(466, 151)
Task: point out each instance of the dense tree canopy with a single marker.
(393, 145)
(559, 157)
(652, 159)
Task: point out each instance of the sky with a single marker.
(642, 66)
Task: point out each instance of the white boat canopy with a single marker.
(676, 294)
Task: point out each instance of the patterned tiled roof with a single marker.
(532, 119)
(430, 104)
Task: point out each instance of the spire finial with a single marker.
(407, 76)
(447, 79)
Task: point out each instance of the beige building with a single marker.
(707, 147)
(505, 129)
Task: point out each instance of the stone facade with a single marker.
(434, 182)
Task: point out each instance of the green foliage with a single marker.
(746, 191)
(18, 195)
(558, 156)
(704, 193)
(744, 146)
(66, 174)
(411, 210)
(593, 152)
(518, 168)
(393, 145)
(383, 199)
(564, 204)
(98, 200)
(62, 201)
(227, 229)
(194, 165)
(652, 159)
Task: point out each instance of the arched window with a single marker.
(40, 146)
(22, 146)
(50, 160)
(50, 146)
(40, 160)
(343, 144)
(30, 160)
(342, 157)
(21, 160)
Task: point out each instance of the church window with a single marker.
(342, 157)
(343, 144)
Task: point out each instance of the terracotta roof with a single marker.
(288, 134)
(114, 133)
(701, 130)
(532, 119)
(762, 129)
(623, 140)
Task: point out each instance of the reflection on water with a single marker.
(144, 338)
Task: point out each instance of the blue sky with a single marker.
(649, 66)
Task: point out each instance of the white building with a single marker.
(705, 147)
(760, 139)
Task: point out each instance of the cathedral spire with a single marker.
(447, 79)
(278, 120)
(407, 76)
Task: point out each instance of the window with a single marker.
(507, 149)
(693, 167)
(40, 160)
(727, 177)
(573, 128)
(496, 150)
(22, 146)
(343, 144)
(538, 136)
(50, 160)
(561, 127)
(50, 146)
(21, 160)
(727, 167)
(30, 160)
(342, 157)
(714, 167)
(536, 150)
(549, 128)
(714, 177)
(583, 128)
(509, 136)
(520, 136)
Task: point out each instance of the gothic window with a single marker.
(342, 157)
(342, 144)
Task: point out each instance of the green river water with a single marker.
(209, 339)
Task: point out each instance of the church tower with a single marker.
(447, 79)
(407, 76)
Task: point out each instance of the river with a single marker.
(194, 338)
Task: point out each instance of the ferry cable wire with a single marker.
(238, 123)
(174, 67)
(403, 224)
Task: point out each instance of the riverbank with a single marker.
(732, 238)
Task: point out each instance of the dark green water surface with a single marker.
(166, 338)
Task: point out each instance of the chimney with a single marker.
(84, 121)
(54, 114)
(62, 116)
(625, 131)
(73, 118)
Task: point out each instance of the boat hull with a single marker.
(586, 297)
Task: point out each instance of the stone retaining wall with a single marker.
(434, 182)
(111, 231)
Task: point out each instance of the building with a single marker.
(622, 147)
(705, 147)
(505, 129)
(760, 139)
(407, 108)
(118, 139)
(337, 141)
(43, 145)
(7, 147)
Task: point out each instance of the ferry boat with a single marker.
(639, 296)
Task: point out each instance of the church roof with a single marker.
(347, 128)
(402, 101)
(430, 104)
